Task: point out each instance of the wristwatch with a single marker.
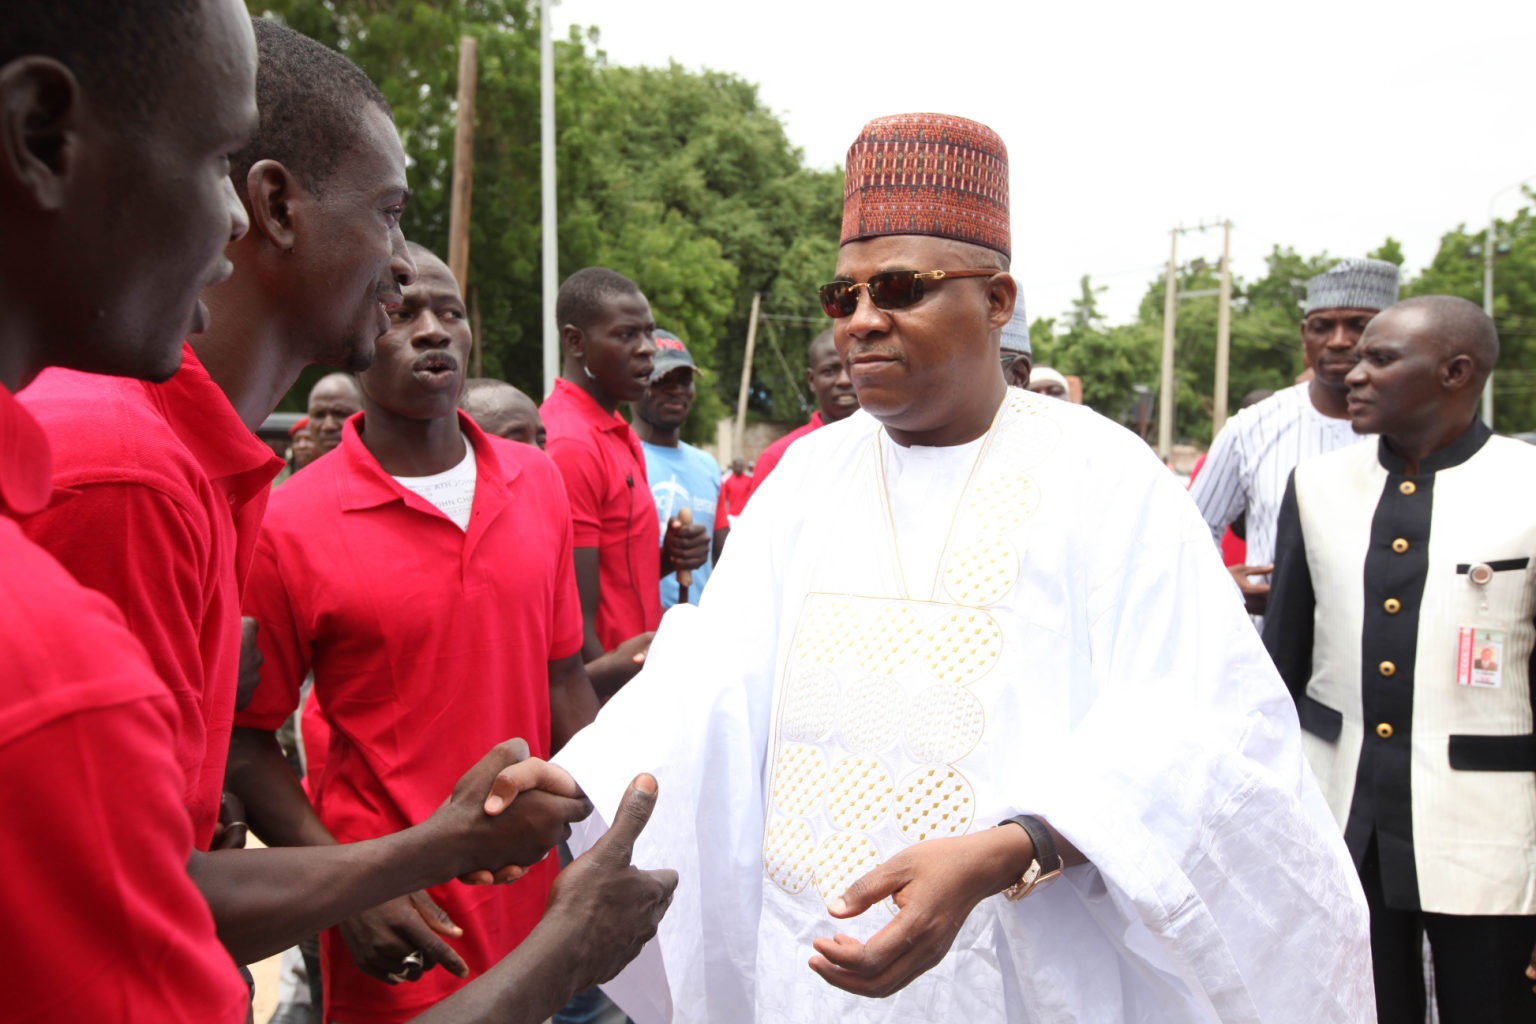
(1045, 868)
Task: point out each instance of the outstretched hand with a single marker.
(534, 802)
(935, 886)
(606, 908)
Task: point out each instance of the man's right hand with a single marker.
(604, 909)
(1255, 595)
(520, 835)
(382, 938)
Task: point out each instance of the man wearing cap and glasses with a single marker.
(967, 643)
(1252, 457)
(681, 476)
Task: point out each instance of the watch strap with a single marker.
(1044, 842)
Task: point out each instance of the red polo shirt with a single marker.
(774, 452)
(734, 492)
(429, 645)
(159, 492)
(101, 920)
(611, 508)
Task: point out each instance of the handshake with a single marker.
(503, 816)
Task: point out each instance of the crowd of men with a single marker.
(970, 723)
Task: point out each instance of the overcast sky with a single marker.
(1317, 125)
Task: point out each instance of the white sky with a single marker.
(1318, 125)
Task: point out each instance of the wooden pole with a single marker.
(1223, 332)
(463, 169)
(746, 378)
(548, 230)
(1170, 307)
(474, 327)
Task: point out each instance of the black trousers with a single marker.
(1479, 962)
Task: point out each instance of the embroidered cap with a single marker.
(927, 174)
(1354, 284)
(1015, 334)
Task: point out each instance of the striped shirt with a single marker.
(1252, 458)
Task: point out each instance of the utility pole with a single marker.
(463, 179)
(746, 378)
(551, 240)
(1170, 306)
(1223, 331)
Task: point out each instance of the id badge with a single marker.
(1480, 658)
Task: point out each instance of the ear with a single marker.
(41, 113)
(271, 193)
(1002, 292)
(810, 379)
(1457, 372)
(571, 342)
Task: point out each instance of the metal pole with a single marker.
(1223, 331)
(746, 378)
(1488, 308)
(551, 254)
(1170, 304)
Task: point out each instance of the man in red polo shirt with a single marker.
(827, 375)
(419, 506)
(606, 330)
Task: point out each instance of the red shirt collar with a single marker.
(585, 406)
(201, 416)
(26, 467)
(365, 484)
(816, 421)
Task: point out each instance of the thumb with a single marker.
(866, 891)
(618, 843)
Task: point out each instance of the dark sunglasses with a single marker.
(890, 289)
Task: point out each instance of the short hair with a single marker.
(1460, 327)
(311, 101)
(826, 337)
(106, 44)
(481, 385)
(587, 289)
(341, 375)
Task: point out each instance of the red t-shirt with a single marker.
(774, 452)
(429, 645)
(611, 508)
(160, 490)
(101, 921)
(734, 492)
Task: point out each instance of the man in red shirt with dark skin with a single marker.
(606, 331)
(333, 399)
(87, 90)
(827, 375)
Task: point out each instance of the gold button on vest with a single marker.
(1400, 545)
(1384, 730)
(1392, 605)
(1386, 668)
(1407, 487)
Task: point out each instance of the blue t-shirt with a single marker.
(683, 477)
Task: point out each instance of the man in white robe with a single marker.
(962, 604)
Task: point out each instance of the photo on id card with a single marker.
(1480, 657)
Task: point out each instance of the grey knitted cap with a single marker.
(1016, 332)
(1353, 284)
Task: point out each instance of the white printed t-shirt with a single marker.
(452, 491)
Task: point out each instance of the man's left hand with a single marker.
(684, 547)
(935, 886)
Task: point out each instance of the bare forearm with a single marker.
(572, 701)
(264, 901)
(529, 985)
(276, 808)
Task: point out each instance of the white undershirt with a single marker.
(925, 486)
(451, 491)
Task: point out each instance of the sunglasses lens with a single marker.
(838, 299)
(895, 289)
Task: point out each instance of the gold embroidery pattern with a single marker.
(799, 778)
(859, 794)
(833, 623)
(1001, 503)
(788, 852)
(869, 720)
(965, 645)
(934, 802)
(843, 858)
(981, 572)
(894, 637)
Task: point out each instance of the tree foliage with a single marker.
(683, 181)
